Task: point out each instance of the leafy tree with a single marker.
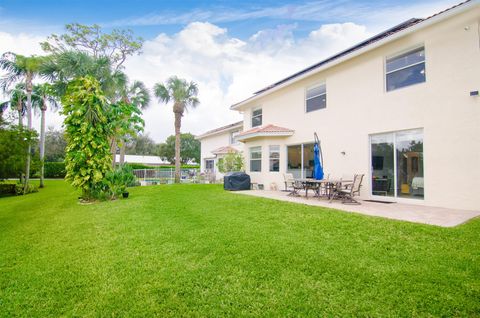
(88, 131)
(141, 145)
(22, 68)
(55, 145)
(231, 162)
(137, 96)
(189, 149)
(14, 141)
(183, 94)
(116, 46)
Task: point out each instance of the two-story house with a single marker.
(401, 107)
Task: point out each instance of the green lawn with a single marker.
(195, 250)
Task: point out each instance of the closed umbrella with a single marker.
(317, 159)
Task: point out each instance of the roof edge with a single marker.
(220, 130)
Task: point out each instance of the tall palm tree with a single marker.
(22, 68)
(137, 95)
(17, 101)
(183, 94)
(42, 96)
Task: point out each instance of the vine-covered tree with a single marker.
(88, 131)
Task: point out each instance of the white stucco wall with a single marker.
(358, 105)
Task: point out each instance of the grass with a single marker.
(197, 251)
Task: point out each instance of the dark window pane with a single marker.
(257, 112)
(408, 76)
(255, 165)
(406, 59)
(274, 165)
(315, 91)
(256, 121)
(315, 103)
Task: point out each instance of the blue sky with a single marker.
(242, 18)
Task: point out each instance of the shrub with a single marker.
(16, 189)
(116, 182)
(55, 170)
(19, 189)
(232, 162)
(7, 189)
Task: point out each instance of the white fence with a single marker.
(167, 176)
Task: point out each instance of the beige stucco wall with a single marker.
(358, 105)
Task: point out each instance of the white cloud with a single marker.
(228, 69)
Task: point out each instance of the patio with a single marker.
(397, 211)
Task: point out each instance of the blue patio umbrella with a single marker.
(317, 159)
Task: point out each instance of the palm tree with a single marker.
(41, 97)
(22, 68)
(17, 101)
(183, 94)
(137, 95)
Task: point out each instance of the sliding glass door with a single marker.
(397, 164)
(300, 160)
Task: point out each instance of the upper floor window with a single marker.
(256, 117)
(316, 98)
(233, 137)
(405, 69)
(256, 159)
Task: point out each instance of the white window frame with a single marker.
(251, 151)
(233, 137)
(397, 54)
(324, 83)
(213, 165)
(255, 116)
(270, 151)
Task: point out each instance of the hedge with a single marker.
(55, 170)
(15, 189)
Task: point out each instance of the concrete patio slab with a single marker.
(397, 211)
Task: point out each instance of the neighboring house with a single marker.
(217, 143)
(146, 160)
(402, 108)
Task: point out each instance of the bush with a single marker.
(30, 189)
(232, 162)
(16, 189)
(7, 189)
(55, 170)
(116, 182)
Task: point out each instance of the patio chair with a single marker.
(346, 193)
(292, 185)
(289, 180)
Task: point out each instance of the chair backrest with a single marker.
(357, 183)
(288, 177)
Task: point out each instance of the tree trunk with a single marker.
(29, 87)
(42, 143)
(178, 123)
(20, 115)
(113, 151)
(122, 153)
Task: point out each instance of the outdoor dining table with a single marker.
(330, 184)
